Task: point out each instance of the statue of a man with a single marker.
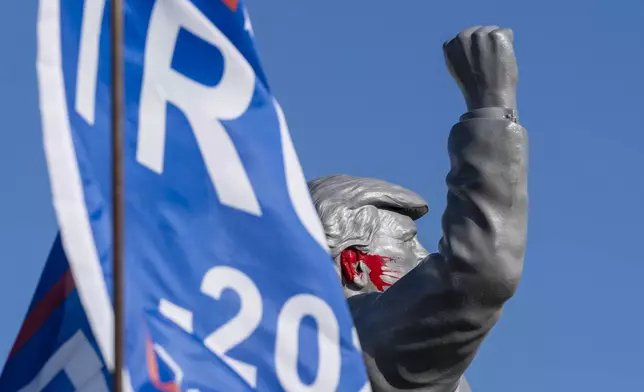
(421, 317)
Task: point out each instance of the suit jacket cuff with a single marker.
(494, 113)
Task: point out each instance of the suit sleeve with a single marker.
(424, 331)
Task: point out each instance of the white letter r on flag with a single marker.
(203, 106)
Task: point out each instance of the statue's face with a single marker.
(393, 252)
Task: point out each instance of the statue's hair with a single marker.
(348, 208)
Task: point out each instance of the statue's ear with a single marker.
(350, 266)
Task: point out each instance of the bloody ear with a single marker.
(349, 264)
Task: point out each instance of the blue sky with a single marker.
(365, 91)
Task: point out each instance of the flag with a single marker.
(55, 347)
(228, 282)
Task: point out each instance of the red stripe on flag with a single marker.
(232, 4)
(153, 370)
(43, 309)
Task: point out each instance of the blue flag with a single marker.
(55, 349)
(229, 285)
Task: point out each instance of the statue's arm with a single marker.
(423, 332)
(481, 252)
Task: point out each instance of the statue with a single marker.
(421, 317)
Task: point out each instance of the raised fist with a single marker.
(482, 61)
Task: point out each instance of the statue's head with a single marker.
(370, 229)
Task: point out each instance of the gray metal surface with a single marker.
(422, 317)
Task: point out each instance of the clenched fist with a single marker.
(482, 61)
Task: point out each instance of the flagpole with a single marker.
(118, 216)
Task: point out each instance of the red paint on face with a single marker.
(349, 261)
(376, 263)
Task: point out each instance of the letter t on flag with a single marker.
(228, 282)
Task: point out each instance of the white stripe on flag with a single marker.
(64, 176)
